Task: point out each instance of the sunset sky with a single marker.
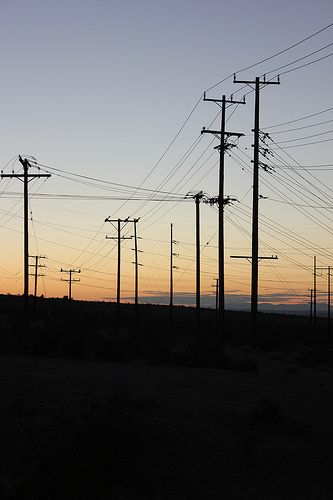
(107, 97)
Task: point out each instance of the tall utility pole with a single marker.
(255, 204)
(136, 263)
(71, 280)
(197, 198)
(224, 136)
(172, 267)
(35, 274)
(121, 223)
(26, 178)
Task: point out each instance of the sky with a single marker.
(107, 97)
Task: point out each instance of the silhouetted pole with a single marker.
(118, 238)
(136, 265)
(255, 209)
(26, 179)
(255, 202)
(217, 294)
(71, 280)
(118, 268)
(197, 198)
(222, 148)
(36, 275)
(25, 164)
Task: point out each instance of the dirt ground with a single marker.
(95, 430)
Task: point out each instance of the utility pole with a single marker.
(224, 136)
(121, 223)
(172, 267)
(255, 204)
(35, 274)
(26, 178)
(197, 198)
(71, 280)
(136, 263)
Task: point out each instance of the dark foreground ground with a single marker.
(79, 429)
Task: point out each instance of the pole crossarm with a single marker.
(249, 257)
(219, 132)
(261, 82)
(70, 271)
(226, 101)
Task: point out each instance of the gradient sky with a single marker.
(101, 88)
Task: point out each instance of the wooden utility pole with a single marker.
(197, 199)
(26, 178)
(71, 280)
(136, 264)
(121, 223)
(224, 136)
(255, 203)
(35, 274)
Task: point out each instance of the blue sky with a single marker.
(100, 88)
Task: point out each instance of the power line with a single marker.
(276, 54)
(298, 119)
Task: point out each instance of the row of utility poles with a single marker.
(221, 200)
(27, 177)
